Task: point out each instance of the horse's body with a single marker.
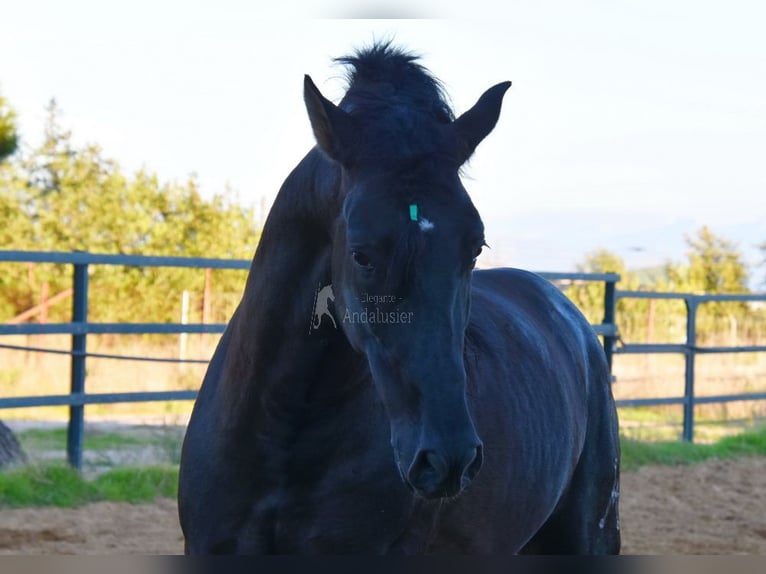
(289, 449)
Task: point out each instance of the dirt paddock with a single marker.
(717, 507)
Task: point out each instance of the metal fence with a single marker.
(689, 349)
(79, 328)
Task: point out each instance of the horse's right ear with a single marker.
(475, 124)
(333, 128)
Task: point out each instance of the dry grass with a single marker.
(663, 375)
(651, 376)
(29, 374)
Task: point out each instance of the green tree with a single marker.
(638, 320)
(15, 227)
(716, 266)
(64, 197)
(8, 135)
(589, 296)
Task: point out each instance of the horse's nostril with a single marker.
(474, 465)
(436, 462)
(427, 471)
(433, 475)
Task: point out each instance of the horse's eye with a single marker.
(361, 259)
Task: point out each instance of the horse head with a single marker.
(403, 248)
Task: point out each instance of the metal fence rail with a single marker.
(690, 350)
(79, 328)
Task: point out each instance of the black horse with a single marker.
(442, 409)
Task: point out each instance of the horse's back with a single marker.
(531, 303)
(537, 338)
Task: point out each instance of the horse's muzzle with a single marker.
(433, 475)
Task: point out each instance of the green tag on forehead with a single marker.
(414, 211)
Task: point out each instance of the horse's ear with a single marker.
(333, 128)
(475, 124)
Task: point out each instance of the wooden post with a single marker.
(184, 337)
(38, 309)
(44, 303)
(207, 305)
(31, 340)
(31, 278)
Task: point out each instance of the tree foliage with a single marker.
(714, 265)
(589, 297)
(8, 135)
(63, 197)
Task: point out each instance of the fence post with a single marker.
(183, 338)
(609, 319)
(691, 344)
(77, 381)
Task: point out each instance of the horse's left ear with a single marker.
(475, 124)
(333, 128)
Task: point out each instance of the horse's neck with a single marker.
(275, 354)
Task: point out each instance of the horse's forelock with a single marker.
(382, 72)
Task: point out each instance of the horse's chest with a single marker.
(346, 509)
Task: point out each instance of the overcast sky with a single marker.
(625, 128)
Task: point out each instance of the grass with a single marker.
(137, 484)
(59, 485)
(55, 439)
(705, 431)
(636, 454)
(107, 449)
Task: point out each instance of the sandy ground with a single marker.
(717, 507)
(100, 528)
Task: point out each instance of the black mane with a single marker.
(383, 75)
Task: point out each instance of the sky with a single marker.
(628, 126)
